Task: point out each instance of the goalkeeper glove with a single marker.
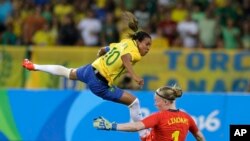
(103, 124)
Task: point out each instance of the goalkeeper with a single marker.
(169, 124)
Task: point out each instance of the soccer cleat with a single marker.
(28, 64)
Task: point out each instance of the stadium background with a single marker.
(214, 73)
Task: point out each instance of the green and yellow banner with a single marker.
(11, 71)
(199, 70)
(193, 70)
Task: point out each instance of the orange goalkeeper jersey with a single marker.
(169, 125)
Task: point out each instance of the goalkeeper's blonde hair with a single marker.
(169, 92)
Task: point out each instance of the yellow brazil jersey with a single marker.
(110, 65)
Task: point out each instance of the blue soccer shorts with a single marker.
(87, 75)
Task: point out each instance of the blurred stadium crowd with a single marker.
(172, 23)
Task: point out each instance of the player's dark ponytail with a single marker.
(133, 25)
(131, 20)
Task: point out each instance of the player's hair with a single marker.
(131, 20)
(133, 25)
(169, 92)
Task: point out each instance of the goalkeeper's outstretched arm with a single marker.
(131, 126)
(103, 124)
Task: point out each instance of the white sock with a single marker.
(135, 114)
(135, 110)
(54, 69)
